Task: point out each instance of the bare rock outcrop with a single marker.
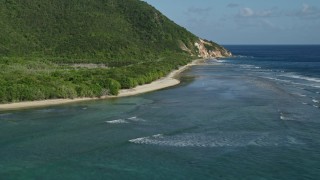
(208, 49)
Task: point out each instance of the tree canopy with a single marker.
(41, 40)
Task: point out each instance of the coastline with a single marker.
(168, 81)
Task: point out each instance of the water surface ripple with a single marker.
(254, 116)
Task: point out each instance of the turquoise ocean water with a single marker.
(253, 116)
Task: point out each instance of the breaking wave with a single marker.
(293, 76)
(126, 120)
(247, 66)
(315, 101)
(135, 118)
(219, 140)
(117, 121)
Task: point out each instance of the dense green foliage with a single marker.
(37, 79)
(86, 31)
(40, 40)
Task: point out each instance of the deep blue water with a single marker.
(253, 116)
(304, 60)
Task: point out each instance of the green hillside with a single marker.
(86, 48)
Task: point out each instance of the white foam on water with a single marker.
(241, 56)
(291, 81)
(298, 94)
(247, 66)
(294, 83)
(177, 141)
(133, 118)
(315, 106)
(304, 103)
(293, 76)
(136, 119)
(158, 135)
(315, 101)
(221, 61)
(145, 140)
(284, 117)
(219, 140)
(117, 121)
(318, 92)
(292, 116)
(141, 140)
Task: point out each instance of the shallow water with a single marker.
(236, 118)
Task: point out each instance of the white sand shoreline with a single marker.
(162, 83)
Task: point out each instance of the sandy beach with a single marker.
(168, 81)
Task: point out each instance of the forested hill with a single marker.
(46, 38)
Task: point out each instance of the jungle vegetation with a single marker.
(42, 40)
